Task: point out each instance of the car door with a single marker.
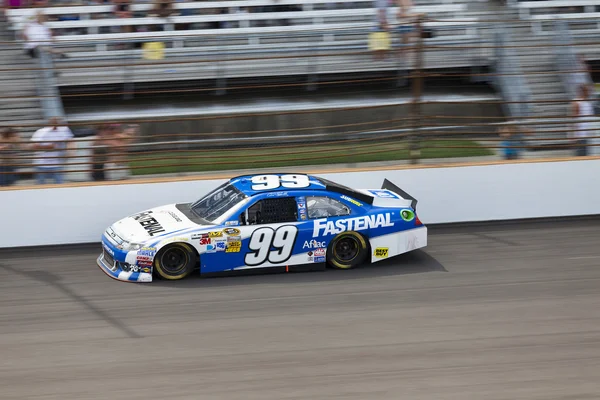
(272, 230)
(263, 235)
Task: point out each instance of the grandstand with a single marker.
(310, 53)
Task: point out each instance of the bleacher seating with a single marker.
(580, 13)
(334, 30)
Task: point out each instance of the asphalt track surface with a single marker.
(485, 312)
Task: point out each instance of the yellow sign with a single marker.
(379, 41)
(381, 252)
(215, 234)
(153, 50)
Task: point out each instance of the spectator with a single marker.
(406, 20)
(379, 40)
(38, 37)
(119, 147)
(52, 144)
(514, 141)
(162, 9)
(509, 145)
(100, 152)
(9, 147)
(582, 108)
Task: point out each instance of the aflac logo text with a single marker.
(313, 244)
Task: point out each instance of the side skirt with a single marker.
(309, 267)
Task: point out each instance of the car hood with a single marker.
(157, 222)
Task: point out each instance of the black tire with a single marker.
(347, 250)
(175, 261)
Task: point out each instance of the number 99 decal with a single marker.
(263, 239)
(269, 182)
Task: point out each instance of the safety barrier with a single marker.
(453, 194)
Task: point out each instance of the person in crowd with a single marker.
(9, 150)
(119, 145)
(38, 37)
(406, 24)
(51, 144)
(582, 108)
(513, 140)
(162, 9)
(379, 39)
(509, 145)
(100, 152)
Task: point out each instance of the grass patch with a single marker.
(311, 154)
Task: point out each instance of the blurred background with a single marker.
(115, 90)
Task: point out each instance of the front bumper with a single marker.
(113, 262)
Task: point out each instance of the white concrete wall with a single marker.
(458, 194)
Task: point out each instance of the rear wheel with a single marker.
(176, 261)
(347, 250)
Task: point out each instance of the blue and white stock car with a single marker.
(276, 222)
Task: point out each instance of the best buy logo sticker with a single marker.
(381, 252)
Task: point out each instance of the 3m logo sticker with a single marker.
(381, 252)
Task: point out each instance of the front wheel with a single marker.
(176, 261)
(347, 250)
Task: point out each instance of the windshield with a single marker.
(218, 202)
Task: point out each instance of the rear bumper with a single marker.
(397, 243)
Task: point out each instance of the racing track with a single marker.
(486, 312)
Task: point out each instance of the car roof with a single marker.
(245, 184)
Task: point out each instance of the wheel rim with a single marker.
(347, 249)
(174, 260)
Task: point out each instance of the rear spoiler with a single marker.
(390, 186)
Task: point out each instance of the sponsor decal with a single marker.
(319, 252)
(234, 247)
(145, 269)
(234, 238)
(323, 227)
(175, 217)
(312, 244)
(146, 252)
(143, 258)
(221, 245)
(199, 235)
(277, 194)
(108, 250)
(235, 223)
(145, 264)
(215, 234)
(205, 241)
(301, 205)
(407, 215)
(231, 231)
(355, 202)
(381, 252)
(303, 217)
(384, 194)
(319, 259)
(148, 222)
(211, 248)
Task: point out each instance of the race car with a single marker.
(279, 222)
